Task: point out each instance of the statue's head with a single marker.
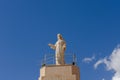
(59, 36)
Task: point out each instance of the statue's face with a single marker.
(59, 36)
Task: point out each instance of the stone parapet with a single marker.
(59, 72)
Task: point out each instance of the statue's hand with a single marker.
(49, 44)
(52, 46)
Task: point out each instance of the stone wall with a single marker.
(59, 72)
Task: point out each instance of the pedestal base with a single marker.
(59, 72)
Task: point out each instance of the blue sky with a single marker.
(90, 28)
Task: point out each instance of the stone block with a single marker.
(59, 72)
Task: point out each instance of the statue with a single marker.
(59, 47)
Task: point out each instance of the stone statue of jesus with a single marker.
(59, 47)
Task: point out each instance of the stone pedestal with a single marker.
(59, 72)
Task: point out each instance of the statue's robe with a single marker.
(60, 49)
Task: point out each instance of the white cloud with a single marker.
(103, 79)
(105, 61)
(87, 60)
(112, 63)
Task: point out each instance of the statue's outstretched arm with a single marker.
(52, 46)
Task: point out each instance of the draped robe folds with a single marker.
(59, 47)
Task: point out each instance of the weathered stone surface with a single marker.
(59, 72)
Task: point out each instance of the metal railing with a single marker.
(49, 59)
